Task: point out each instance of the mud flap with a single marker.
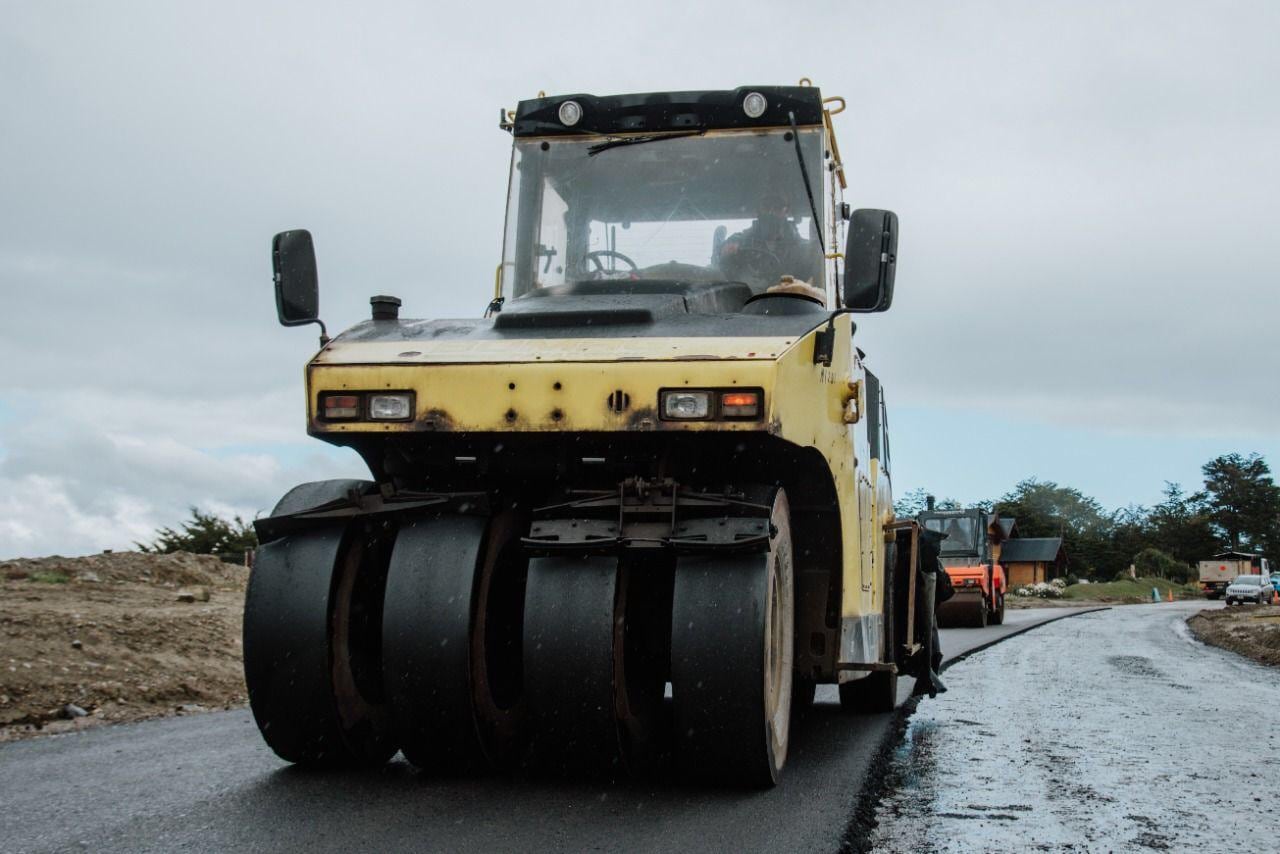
(927, 661)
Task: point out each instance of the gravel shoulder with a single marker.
(1112, 731)
(1249, 630)
(117, 637)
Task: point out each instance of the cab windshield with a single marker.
(724, 206)
(961, 531)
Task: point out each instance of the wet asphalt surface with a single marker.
(1111, 731)
(208, 783)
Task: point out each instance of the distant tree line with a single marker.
(1237, 508)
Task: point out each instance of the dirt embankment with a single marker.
(117, 637)
(1250, 630)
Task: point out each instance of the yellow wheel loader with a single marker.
(632, 516)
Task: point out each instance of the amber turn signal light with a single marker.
(740, 404)
(340, 407)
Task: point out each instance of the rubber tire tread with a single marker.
(287, 657)
(568, 663)
(426, 642)
(304, 496)
(717, 664)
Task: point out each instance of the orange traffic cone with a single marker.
(1170, 594)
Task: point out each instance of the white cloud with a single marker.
(84, 471)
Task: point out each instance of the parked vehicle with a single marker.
(1250, 588)
(1217, 573)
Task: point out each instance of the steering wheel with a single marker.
(755, 257)
(600, 272)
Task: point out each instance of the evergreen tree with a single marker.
(205, 533)
(1243, 501)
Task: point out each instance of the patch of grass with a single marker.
(50, 577)
(1131, 590)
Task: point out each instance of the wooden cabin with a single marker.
(1030, 560)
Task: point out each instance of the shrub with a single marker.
(1153, 563)
(205, 533)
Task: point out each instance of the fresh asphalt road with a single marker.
(208, 783)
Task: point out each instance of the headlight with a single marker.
(686, 405)
(390, 407)
(570, 113)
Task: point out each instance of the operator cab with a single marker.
(687, 202)
(967, 540)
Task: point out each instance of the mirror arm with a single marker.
(824, 343)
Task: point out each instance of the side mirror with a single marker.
(870, 259)
(293, 261)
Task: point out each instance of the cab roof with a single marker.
(669, 111)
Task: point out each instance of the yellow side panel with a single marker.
(809, 407)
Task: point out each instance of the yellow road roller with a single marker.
(626, 521)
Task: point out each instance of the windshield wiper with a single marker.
(636, 140)
(804, 174)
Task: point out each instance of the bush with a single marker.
(1073, 579)
(206, 533)
(1154, 563)
(1041, 590)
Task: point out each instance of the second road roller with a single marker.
(627, 520)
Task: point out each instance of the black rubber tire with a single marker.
(305, 496)
(731, 660)
(875, 693)
(453, 682)
(311, 647)
(568, 662)
(642, 659)
(981, 614)
(996, 617)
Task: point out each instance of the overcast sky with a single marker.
(1088, 285)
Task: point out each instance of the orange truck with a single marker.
(970, 554)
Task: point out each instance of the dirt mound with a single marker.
(117, 637)
(1249, 630)
(176, 569)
